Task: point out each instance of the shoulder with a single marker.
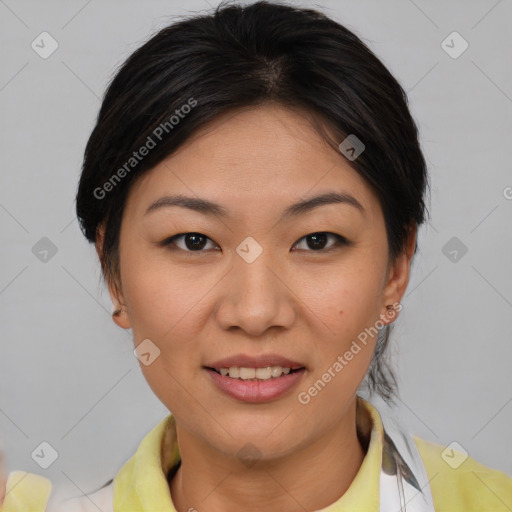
(459, 482)
(32, 492)
(26, 491)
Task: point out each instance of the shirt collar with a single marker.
(141, 484)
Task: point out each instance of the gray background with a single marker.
(67, 372)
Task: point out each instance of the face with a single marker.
(253, 278)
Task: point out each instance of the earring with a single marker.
(117, 319)
(390, 314)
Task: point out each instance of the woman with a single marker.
(253, 186)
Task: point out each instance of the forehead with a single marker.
(254, 156)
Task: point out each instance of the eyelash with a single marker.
(340, 241)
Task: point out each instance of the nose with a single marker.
(256, 296)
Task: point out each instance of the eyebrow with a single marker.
(207, 207)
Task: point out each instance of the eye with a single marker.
(193, 242)
(317, 241)
(196, 242)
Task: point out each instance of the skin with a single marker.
(294, 300)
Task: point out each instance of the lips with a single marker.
(260, 361)
(254, 390)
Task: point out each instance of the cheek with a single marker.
(165, 307)
(348, 301)
(349, 305)
(163, 301)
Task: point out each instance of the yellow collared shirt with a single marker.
(141, 484)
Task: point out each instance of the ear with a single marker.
(398, 278)
(114, 285)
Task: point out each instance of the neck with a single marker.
(311, 478)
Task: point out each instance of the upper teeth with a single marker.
(269, 372)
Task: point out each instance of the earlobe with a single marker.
(121, 318)
(398, 276)
(120, 313)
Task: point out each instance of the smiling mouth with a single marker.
(255, 374)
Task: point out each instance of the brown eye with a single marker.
(318, 241)
(190, 242)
